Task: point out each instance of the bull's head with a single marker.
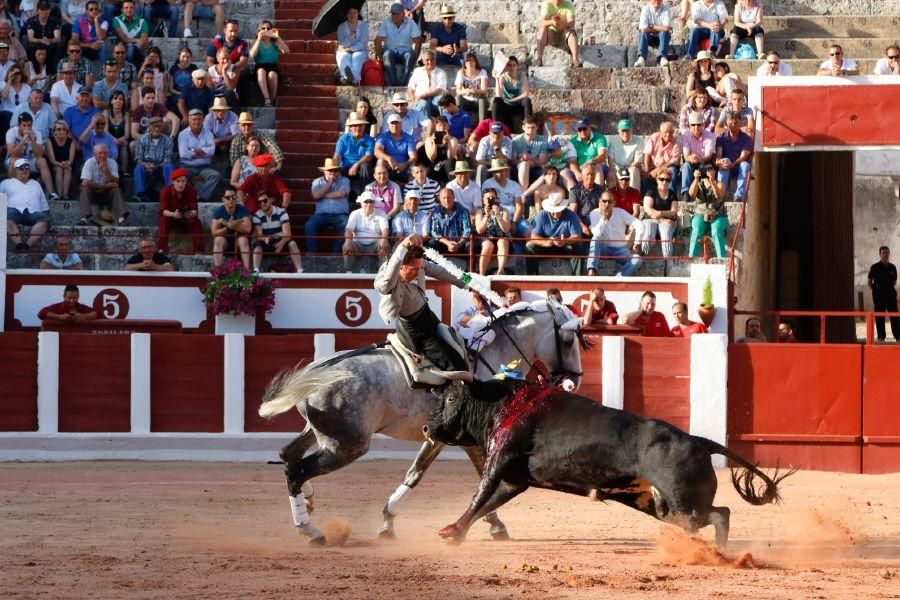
(448, 421)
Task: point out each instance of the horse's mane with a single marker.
(514, 315)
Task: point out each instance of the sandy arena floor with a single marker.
(192, 530)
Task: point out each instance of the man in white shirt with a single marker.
(100, 185)
(774, 67)
(196, 147)
(64, 93)
(890, 64)
(26, 206)
(366, 233)
(625, 151)
(655, 27)
(609, 230)
(837, 65)
(466, 191)
(412, 121)
(710, 18)
(427, 84)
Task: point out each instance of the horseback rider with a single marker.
(401, 283)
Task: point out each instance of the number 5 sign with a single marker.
(111, 304)
(353, 309)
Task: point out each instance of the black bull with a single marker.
(540, 436)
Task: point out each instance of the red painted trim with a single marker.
(186, 383)
(94, 383)
(18, 380)
(799, 438)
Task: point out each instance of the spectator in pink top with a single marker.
(662, 152)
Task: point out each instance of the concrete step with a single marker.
(844, 26)
(854, 48)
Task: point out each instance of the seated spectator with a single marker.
(69, 12)
(266, 49)
(472, 87)
(203, 10)
(127, 71)
(448, 38)
(447, 228)
(890, 64)
(148, 258)
(439, 151)
(415, 11)
(482, 130)
(513, 296)
(222, 124)
(557, 230)
(244, 167)
(698, 147)
(427, 85)
(178, 210)
(734, 151)
(103, 89)
(26, 206)
(786, 333)
(627, 198)
(239, 143)
(511, 94)
(625, 152)
(388, 195)
(330, 192)
(599, 310)
(396, 148)
(774, 66)
(81, 116)
(352, 47)
(557, 28)
(44, 31)
(748, 16)
(660, 212)
(22, 142)
(62, 256)
(91, 30)
(410, 220)
(15, 91)
(238, 49)
(684, 327)
(480, 311)
(272, 233)
(133, 32)
(181, 73)
(196, 147)
(231, 227)
(655, 27)
(200, 96)
(60, 153)
(152, 158)
(355, 152)
(652, 321)
(548, 185)
(708, 198)
(726, 83)
(509, 194)
(367, 233)
(42, 115)
(584, 198)
(81, 67)
(69, 310)
(397, 45)
(95, 134)
(364, 111)
(466, 192)
(414, 121)
(494, 146)
(100, 185)
(458, 121)
(709, 20)
(837, 65)
(752, 332)
(738, 106)
(494, 226)
(428, 188)
(264, 180)
(529, 151)
(662, 153)
(224, 79)
(590, 147)
(6, 63)
(149, 108)
(164, 10)
(609, 236)
(698, 102)
(562, 156)
(702, 77)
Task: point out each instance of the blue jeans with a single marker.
(626, 263)
(162, 10)
(687, 176)
(210, 176)
(320, 221)
(741, 170)
(398, 66)
(660, 40)
(142, 178)
(429, 106)
(26, 217)
(702, 33)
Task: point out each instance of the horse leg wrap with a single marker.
(298, 510)
(393, 503)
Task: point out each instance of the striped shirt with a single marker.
(157, 152)
(428, 193)
(271, 224)
(239, 146)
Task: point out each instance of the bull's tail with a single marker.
(743, 478)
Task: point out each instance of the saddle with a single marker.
(420, 372)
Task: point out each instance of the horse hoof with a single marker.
(318, 542)
(387, 534)
(500, 536)
(452, 534)
(310, 506)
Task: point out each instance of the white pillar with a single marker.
(709, 389)
(234, 383)
(140, 383)
(324, 345)
(48, 382)
(613, 371)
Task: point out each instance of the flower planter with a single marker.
(243, 324)
(707, 314)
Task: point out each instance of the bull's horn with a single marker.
(457, 375)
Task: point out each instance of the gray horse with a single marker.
(348, 396)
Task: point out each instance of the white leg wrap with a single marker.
(393, 503)
(298, 510)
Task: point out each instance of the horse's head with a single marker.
(561, 343)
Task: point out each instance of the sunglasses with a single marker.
(664, 178)
(605, 201)
(696, 125)
(265, 28)
(835, 53)
(582, 129)
(448, 18)
(893, 56)
(93, 10)
(773, 62)
(232, 196)
(74, 51)
(260, 200)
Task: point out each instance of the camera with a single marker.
(439, 136)
(185, 211)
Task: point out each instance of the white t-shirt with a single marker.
(22, 196)
(846, 65)
(470, 83)
(64, 97)
(615, 231)
(12, 138)
(784, 70)
(710, 14)
(466, 197)
(883, 67)
(419, 81)
(506, 195)
(367, 228)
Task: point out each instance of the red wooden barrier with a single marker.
(94, 383)
(881, 419)
(657, 379)
(358, 339)
(18, 374)
(186, 383)
(796, 404)
(265, 357)
(591, 363)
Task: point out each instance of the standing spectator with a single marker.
(882, 282)
(599, 310)
(62, 256)
(152, 158)
(199, 95)
(231, 228)
(410, 220)
(684, 327)
(609, 231)
(355, 152)
(662, 153)
(709, 19)
(627, 198)
(64, 93)
(660, 211)
(388, 195)
(167, 12)
(529, 151)
(366, 234)
(397, 45)
(748, 16)
(698, 147)
(585, 196)
(264, 180)
(330, 192)
(733, 155)
(248, 129)
(69, 310)
(509, 195)
(786, 333)
(352, 47)
(60, 152)
(427, 85)
(133, 32)
(43, 30)
(448, 38)
(103, 89)
(196, 148)
(698, 102)
(655, 27)
(178, 210)
(96, 133)
(22, 142)
(148, 258)
(100, 185)
(207, 10)
(396, 148)
(557, 230)
(493, 226)
(266, 49)
(415, 123)
(458, 121)
(557, 28)
(91, 29)
(837, 65)
(590, 147)
(511, 94)
(752, 332)
(472, 87)
(647, 317)
(428, 188)
(26, 206)
(80, 116)
(272, 233)
(708, 197)
(774, 66)
(237, 48)
(465, 191)
(890, 64)
(447, 228)
(495, 145)
(626, 152)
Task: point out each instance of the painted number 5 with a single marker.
(111, 304)
(353, 308)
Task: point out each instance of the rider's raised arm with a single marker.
(386, 280)
(438, 272)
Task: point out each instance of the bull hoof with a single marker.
(387, 534)
(500, 536)
(318, 542)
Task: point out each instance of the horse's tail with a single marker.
(290, 387)
(743, 478)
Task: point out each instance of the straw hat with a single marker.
(330, 165)
(461, 166)
(399, 98)
(498, 164)
(246, 118)
(447, 11)
(219, 104)
(703, 55)
(554, 203)
(355, 119)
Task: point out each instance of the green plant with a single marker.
(707, 293)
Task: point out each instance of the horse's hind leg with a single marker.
(426, 456)
(294, 452)
(498, 529)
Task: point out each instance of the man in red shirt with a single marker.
(263, 179)
(627, 198)
(653, 322)
(599, 310)
(685, 328)
(69, 310)
(178, 209)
